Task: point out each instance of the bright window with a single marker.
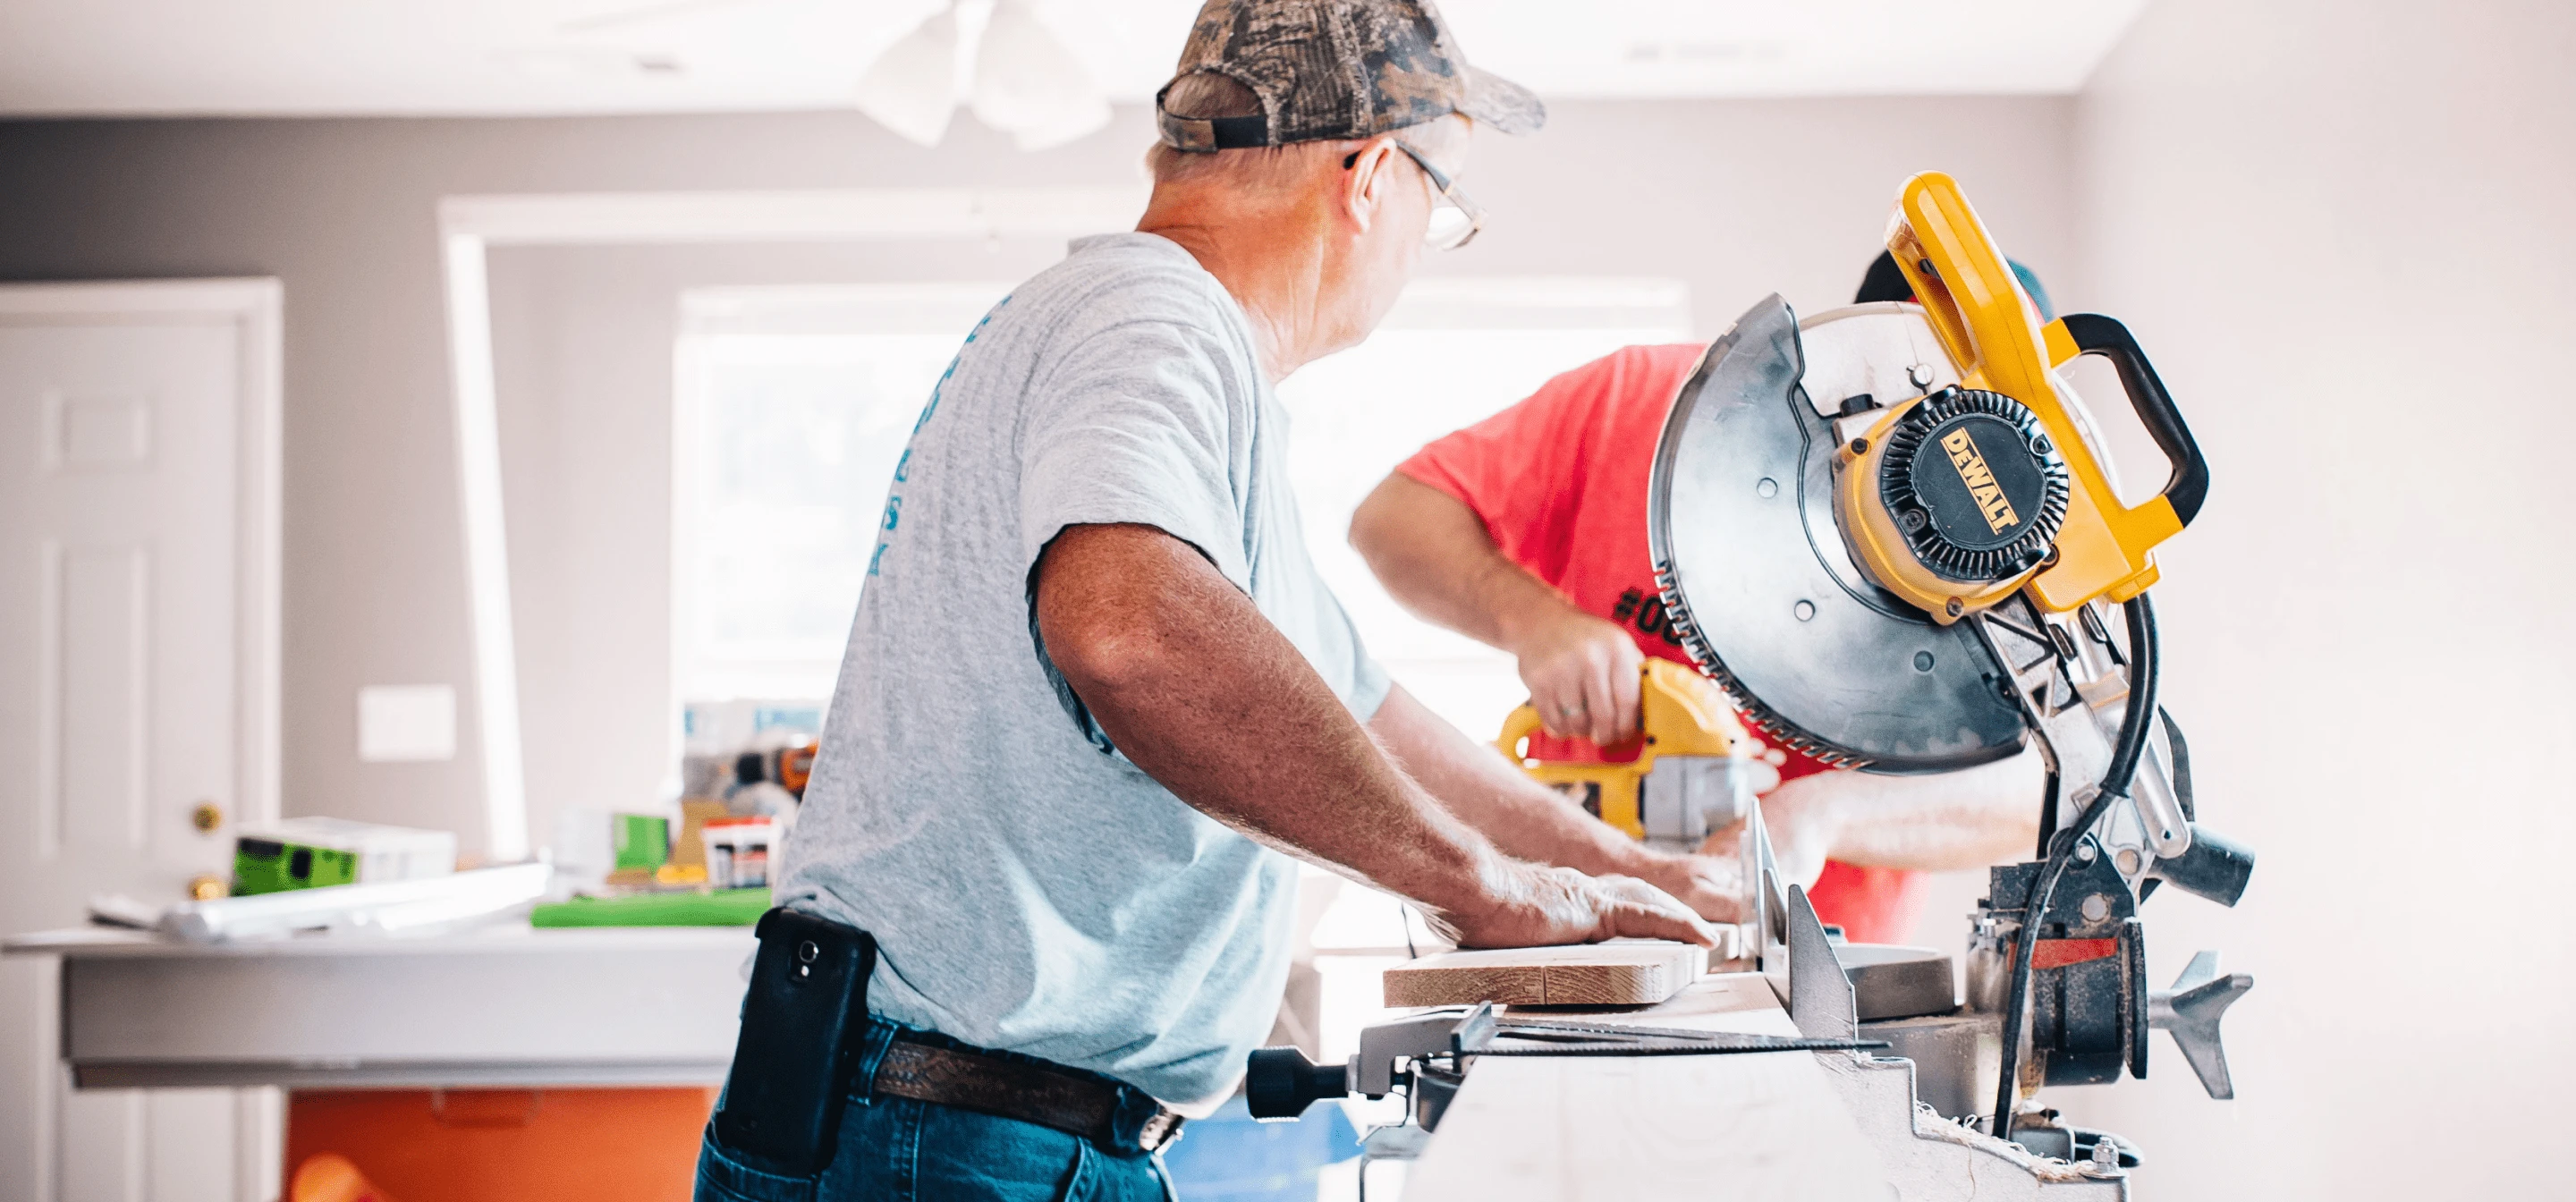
(795, 402)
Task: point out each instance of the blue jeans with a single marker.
(903, 1150)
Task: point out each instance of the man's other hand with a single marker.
(1532, 905)
(1944, 822)
(1582, 675)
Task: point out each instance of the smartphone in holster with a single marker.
(801, 1027)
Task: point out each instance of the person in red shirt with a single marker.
(1527, 531)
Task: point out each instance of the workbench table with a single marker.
(496, 1006)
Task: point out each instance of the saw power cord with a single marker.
(2125, 757)
(2136, 721)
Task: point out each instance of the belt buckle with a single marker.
(1159, 1131)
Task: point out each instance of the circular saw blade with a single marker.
(1766, 597)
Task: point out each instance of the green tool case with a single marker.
(268, 866)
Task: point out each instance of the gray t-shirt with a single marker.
(1030, 889)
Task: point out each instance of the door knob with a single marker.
(207, 817)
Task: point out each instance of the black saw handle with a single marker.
(2094, 334)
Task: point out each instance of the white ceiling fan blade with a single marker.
(912, 88)
(1032, 85)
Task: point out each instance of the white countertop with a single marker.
(497, 1005)
(493, 938)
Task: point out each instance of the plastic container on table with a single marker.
(738, 852)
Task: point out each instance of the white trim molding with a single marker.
(487, 548)
(469, 226)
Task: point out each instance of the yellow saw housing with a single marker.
(2063, 533)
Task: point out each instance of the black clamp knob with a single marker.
(1280, 1083)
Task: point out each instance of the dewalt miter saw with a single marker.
(1890, 536)
(1889, 532)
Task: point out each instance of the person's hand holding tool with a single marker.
(1582, 675)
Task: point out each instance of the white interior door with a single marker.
(138, 584)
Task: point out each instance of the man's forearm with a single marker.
(1435, 557)
(1475, 782)
(1951, 821)
(1205, 695)
(1533, 822)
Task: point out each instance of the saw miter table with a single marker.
(1889, 534)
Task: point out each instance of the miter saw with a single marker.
(1890, 534)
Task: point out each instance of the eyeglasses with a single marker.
(1455, 220)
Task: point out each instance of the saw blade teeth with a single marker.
(1781, 731)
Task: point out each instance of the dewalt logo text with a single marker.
(1980, 480)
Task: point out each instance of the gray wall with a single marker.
(1738, 198)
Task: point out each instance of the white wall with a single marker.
(2342, 231)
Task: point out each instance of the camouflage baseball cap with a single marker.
(1336, 69)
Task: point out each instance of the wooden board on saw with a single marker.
(1623, 972)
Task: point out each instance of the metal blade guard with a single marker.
(1764, 592)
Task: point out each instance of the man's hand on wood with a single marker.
(1532, 905)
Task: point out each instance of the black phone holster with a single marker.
(802, 1024)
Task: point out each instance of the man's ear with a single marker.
(1368, 181)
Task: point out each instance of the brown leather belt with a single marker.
(1016, 1090)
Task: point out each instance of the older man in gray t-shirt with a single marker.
(1030, 888)
(1095, 687)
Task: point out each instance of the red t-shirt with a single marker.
(1560, 480)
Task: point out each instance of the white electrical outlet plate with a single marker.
(410, 723)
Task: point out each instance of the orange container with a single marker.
(496, 1145)
(330, 1177)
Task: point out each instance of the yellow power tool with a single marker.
(1695, 773)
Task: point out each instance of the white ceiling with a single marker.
(318, 57)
